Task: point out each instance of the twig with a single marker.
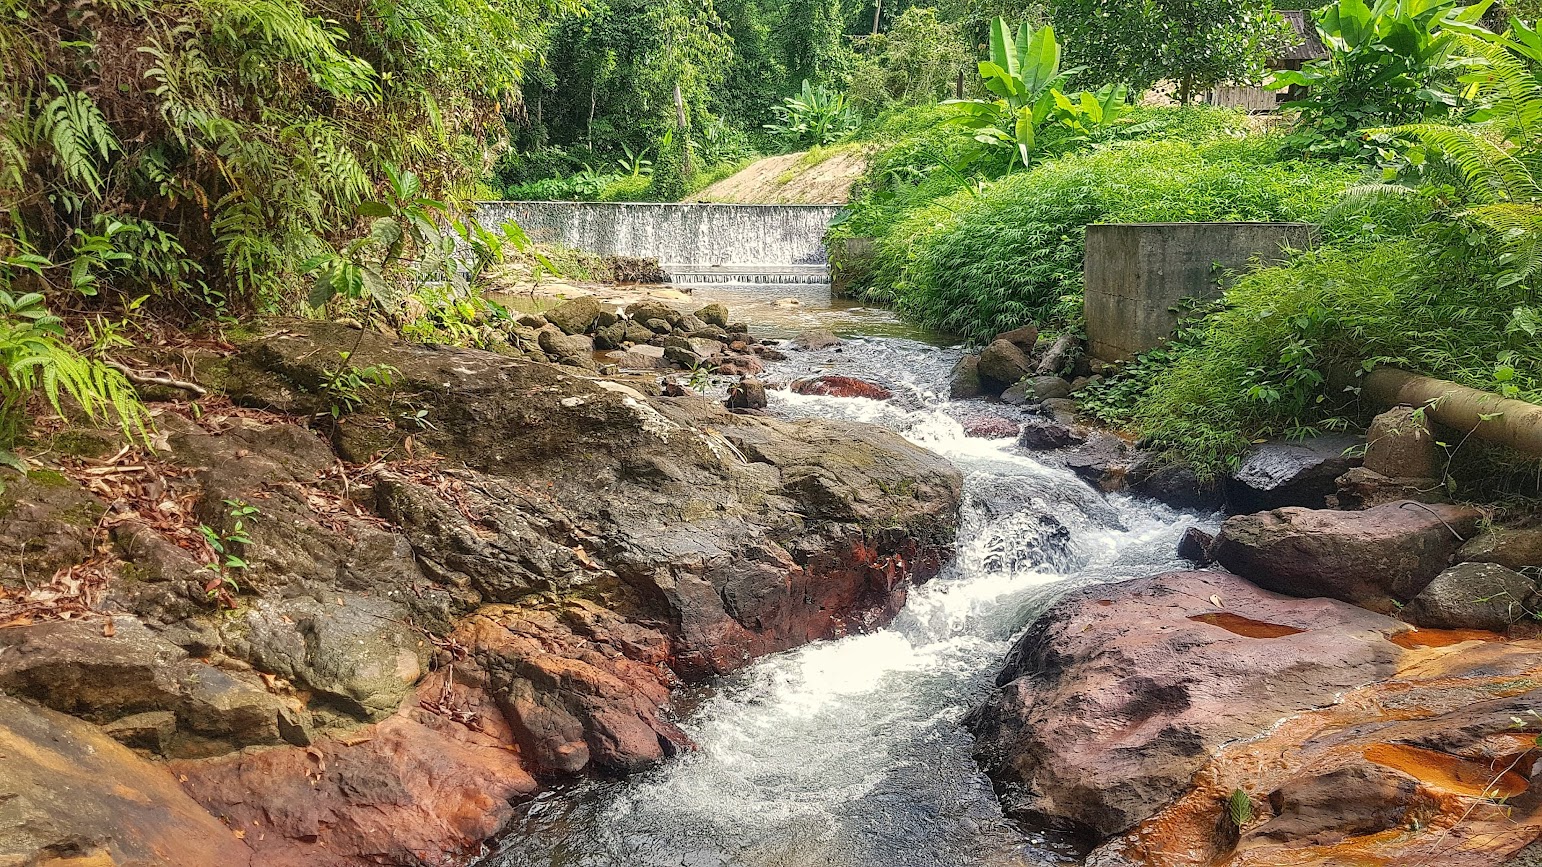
(139, 378)
(1437, 517)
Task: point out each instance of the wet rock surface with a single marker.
(1119, 694)
(1290, 473)
(484, 579)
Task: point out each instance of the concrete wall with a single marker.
(1138, 273)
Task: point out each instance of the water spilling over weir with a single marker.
(696, 243)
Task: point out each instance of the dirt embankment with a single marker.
(804, 178)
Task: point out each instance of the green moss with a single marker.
(82, 443)
(49, 478)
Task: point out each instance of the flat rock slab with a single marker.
(73, 795)
(1118, 694)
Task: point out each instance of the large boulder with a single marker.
(1119, 694)
(964, 381)
(74, 796)
(742, 535)
(1511, 547)
(1474, 596)
(1002, 364)
(576, 316)
(1290, 473)
(1173, 483)
(1376, 558)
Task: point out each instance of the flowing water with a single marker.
(850, 753)
(697, 243)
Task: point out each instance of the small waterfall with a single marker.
(696, 243)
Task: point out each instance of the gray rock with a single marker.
(1474, 596)
(657, 325)
(1175, 484)
(1003, 364)
(606, 318)
(1020, 394)
(559, 345)
(816, 338)
(643, 311)
(576, 316)
(683, 357)
(611, 336)
(690, 323)
(74, 668)
(1050, 387)
(533, 321)
(747, 394)
(639, 333)
(1513, 547)
(706, 348)
(964, 382)
(353, 649)
(1042, 434)
(1288, 473)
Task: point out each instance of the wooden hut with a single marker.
(1254, 98)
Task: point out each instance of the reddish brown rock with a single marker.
(1371, 558)
(577, 685)
(415, 789)
(1114, 698)
(1429, 766)
(834, 385)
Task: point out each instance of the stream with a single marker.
(851, 753)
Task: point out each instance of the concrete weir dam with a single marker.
(698, 244)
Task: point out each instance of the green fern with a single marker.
(1495, 161)
(35, 359)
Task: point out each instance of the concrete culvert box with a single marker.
(1137, 274)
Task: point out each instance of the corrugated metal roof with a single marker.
(1309, 47)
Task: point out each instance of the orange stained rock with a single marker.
(1246, 626)
(1448, 772)
(1417, 638)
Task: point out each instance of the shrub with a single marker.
(979, 263)
(1280, 354)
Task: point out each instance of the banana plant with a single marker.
(1024, 75)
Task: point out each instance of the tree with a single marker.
(1195, 43)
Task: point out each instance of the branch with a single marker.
(138, 378)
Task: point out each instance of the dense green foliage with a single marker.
(203, 150)
(978, 256)
(1389, 63)
(1194, 43)
(205, 158)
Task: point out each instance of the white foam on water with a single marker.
(851, 753)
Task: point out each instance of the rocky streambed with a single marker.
(578, 613)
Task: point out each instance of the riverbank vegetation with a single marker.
(1410, 144)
